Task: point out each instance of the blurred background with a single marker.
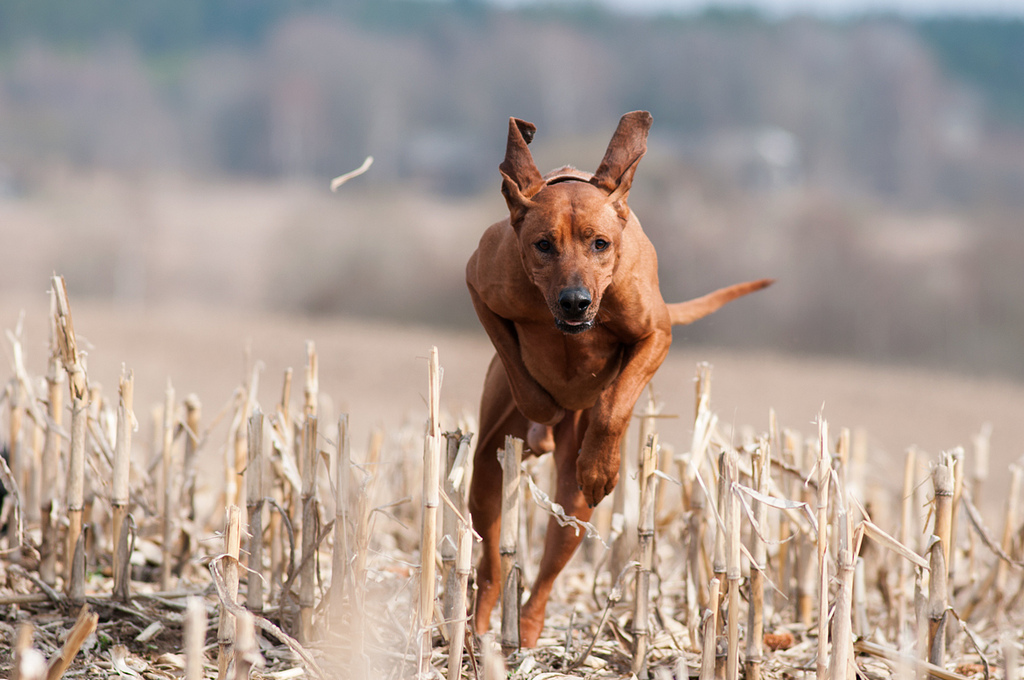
(868, 155)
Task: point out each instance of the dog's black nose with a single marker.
(574, 302)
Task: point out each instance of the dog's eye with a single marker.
(543, 245)
(601, 244)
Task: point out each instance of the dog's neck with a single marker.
(566, 173)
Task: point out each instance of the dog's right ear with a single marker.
(520, 177)
(627, 147)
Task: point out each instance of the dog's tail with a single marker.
(683, 313)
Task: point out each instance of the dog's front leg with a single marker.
(533, 401)
(597, 468)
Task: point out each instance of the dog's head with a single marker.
(570, 226)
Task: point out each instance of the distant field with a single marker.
(377, 373)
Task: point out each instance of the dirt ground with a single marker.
(376, 372)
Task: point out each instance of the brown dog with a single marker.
(567, 290)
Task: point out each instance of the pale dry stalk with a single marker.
(732, 562)
(77, 386)
(903, 587)
(923, 503)
(24, 441)
(645, 542)
(824, 474)
(857, 471)
(698, 564)
(981, 447)
(247, 652)
(710, 640)
(279, 542)
(431, 507)
(232, 492)
(981, 450)
(283, 447)
(76, 491)
(508, 543)
(994, 585)
(694, 508)
(860, 599)
(254, 512)
(493, 665)
(1011, 656)
(624, 543)
(193, 413)
(696, 575)
(167, 487)
(16, 453)
(956, 466)
(806, 586)
(787, 550)
(702, 388)
(457, 624)
(921, 615)
(842, 619)
(449, 527)
(841, 666)
(28, 662)
(307, 576)
(312, 386)
(457, 453)
(759, 552)
(1009, 527)
(120, 494)
(905, 665)
(718, 565)
(50, 490)
(938, 602)
(943, 485)
(195, 638)
(84, 626)
(666, 513)
(340, 553)
(240, 437)
(226, 629)
(363, 516)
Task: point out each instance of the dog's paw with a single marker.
(597, 474)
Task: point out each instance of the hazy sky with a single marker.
(825, 7)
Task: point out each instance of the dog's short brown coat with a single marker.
(567, 290)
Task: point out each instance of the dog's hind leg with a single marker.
(499, 417)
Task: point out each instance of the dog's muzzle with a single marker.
(574, 314)
(572, 328)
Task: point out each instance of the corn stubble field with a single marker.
(151, 533)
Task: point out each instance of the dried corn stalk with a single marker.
(508, 542)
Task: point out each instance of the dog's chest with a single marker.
(573, 369)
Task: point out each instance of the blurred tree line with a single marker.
(913, 110)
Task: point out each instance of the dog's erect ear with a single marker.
(517, 202)
(628, 146)
(520, 177)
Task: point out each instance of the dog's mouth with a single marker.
(575, 310)
(574, 327)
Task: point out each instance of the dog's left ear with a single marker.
(628, 146)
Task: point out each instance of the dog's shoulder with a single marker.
(495, 270)
(633, 300)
